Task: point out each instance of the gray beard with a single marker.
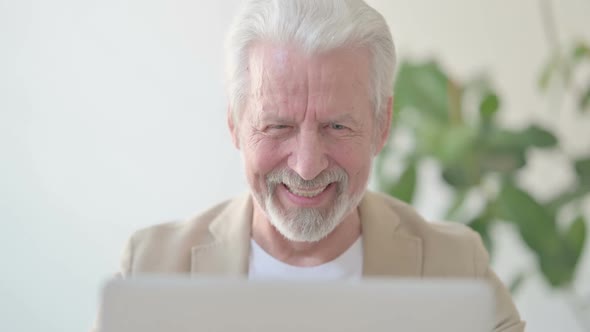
(308, 224)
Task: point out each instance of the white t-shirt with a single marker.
(348, 266)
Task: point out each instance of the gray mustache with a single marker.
(290, 178)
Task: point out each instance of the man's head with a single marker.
(310, 84)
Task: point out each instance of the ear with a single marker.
(232, 128)
(384, 126)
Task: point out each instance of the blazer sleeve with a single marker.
(507, 318)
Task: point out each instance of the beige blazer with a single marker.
(397, 243)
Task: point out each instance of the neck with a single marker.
(305, 253)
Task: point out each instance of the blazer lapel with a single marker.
(389, 251)
(228, 250)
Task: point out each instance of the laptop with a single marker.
(165, 304)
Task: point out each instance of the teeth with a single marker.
(306, 192)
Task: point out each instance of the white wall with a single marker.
(112, 117)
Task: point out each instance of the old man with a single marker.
(310, 104)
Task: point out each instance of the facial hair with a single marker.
(307, 224)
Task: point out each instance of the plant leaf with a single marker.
(454, 144)
(560, 269)
(457, 176)
(502, 160)
(539, 137)
(535, 223)
(489, 106)
(584, 103)
(581, 51)
(428, 134)
(538, 229)
(423, 87)
(575, 238)
(481, 224)
(556, 270)
(532, 136)
(583, 170)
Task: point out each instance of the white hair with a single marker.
(314, 26)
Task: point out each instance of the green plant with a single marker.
(456, 125)
(479, 155)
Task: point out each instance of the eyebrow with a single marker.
(346, 117)
(266, 117)
(271, 117)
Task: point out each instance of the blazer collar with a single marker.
(227, 252)
(388, 249)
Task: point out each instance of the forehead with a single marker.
(285, 78)
(288, 59)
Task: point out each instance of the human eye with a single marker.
(337, 126)
(278, 127)
(277, 130)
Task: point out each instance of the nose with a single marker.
(308, 158)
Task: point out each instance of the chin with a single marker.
(309, 224)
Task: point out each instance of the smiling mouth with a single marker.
(306, 192)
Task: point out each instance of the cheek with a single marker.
(356, 162)
(261, 158)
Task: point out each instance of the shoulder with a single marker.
(448, 248)
(409, 220)
(167, 247)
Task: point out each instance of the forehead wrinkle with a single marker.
(280, 85)
(343, 85)
(325, 91)
(298, 87)
(318, 88)
(263, 92)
